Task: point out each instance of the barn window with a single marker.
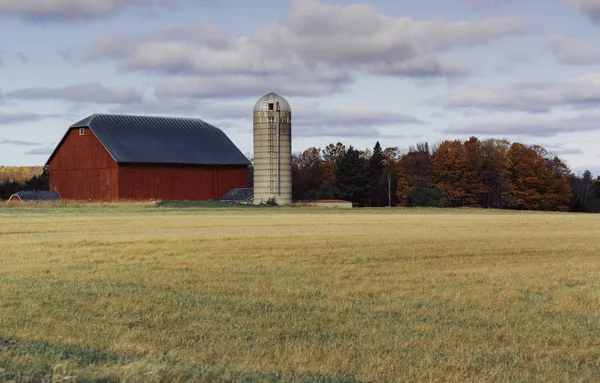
(81, 131)
(271, 106)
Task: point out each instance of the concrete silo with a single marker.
(272, 150)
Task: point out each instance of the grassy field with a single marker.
(183, 293)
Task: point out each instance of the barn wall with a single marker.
(192, 183)
(82, 169)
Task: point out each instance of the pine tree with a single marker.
(375, 172)
(351, 177)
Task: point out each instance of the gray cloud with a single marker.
(518, 56)
(589, 7)
(567, 152)
(17, 118)
(485, 5)
(313, 49)
(19, 143)
(536, 97)
(573, 51)
(249, 85)
(40, 151)
(309, 120)
(22, 57)
(531, 126)
(355, 118)
(82, 93)
(318, 122)
(62, 10)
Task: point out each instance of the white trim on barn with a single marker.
(11, 197)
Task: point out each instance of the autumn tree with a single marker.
(538, 182)
(495, 173)
(391, 156)
(555, 182)
(451, 170)
(307, 174)
(413, 170)
(332, 152)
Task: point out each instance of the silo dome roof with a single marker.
(262, 105)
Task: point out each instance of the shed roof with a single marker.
(37, 196)
(161, 140)
(238, 195)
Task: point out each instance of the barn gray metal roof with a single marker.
(37, 196)
(162, 140)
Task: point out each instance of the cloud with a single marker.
(567, 152)
(485, 5)
(19, 143)
(17, 118)
(40, 151)
(573, 51)
(250, 85)
(530, 126)
(536, 97)
(22, 58)
(82, 93)
(591, 8)
(315, 46)
(63, 10)
(560, 149)
(351, 119)
(308, 120)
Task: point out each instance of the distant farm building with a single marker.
(245, 195)
(326, 203)
(117, 157)
(34, 196)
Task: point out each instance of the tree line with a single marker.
(19, 174)
(489, 173)
(38, 180)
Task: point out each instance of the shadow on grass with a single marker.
(36, 361)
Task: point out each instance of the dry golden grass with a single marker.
(369, 295)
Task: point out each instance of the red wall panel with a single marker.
(82, 169)
(179, 183)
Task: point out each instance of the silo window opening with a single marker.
(271, 105)
(81, 131)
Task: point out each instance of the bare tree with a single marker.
(388, 176)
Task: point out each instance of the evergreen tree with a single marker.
(375, 188)
(351, 177)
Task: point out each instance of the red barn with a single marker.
(115, 157)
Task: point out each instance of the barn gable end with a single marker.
(82, 169)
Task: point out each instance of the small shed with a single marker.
(326, 203)
(239, 195)
(33, 196)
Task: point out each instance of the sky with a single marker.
(395, 71)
